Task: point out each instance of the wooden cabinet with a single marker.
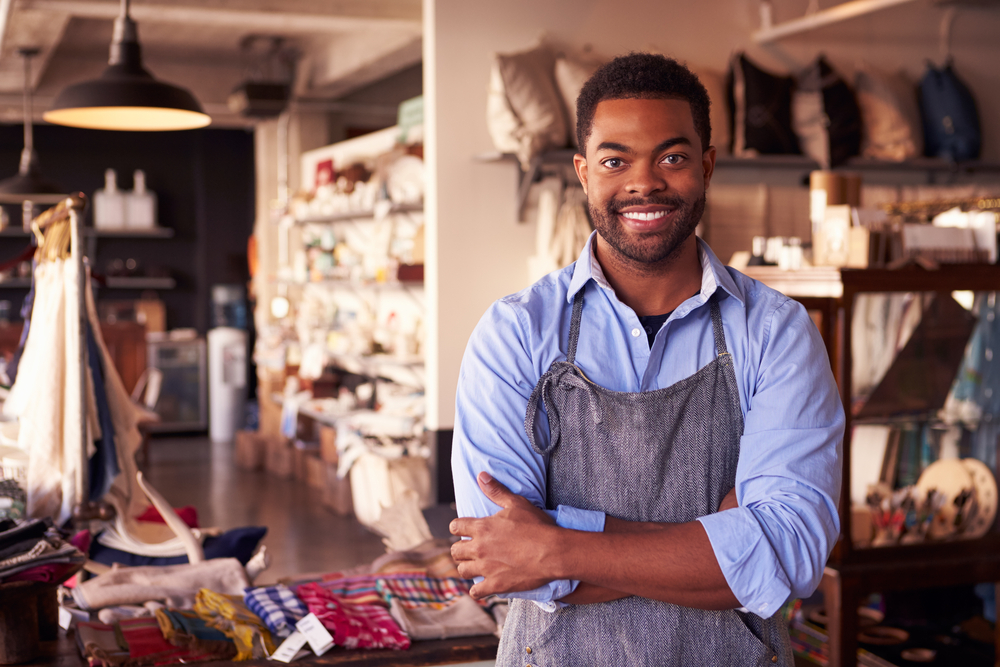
(853, 573)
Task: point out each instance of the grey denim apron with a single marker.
(667, 455)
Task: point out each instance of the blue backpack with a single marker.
(951, 123)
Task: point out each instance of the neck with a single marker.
(652, 289)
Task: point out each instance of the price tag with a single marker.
(289, 648)
(320, 641)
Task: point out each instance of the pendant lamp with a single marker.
(126, 96)
(28, 184)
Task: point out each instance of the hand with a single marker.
(506, 548)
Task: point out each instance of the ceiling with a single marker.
(339, 45)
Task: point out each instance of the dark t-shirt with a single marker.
(652, 324)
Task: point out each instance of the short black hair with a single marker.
(643, 76)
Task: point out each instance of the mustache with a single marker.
(616, 205)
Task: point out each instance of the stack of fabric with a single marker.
(29, 551)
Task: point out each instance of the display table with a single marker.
(63, 653)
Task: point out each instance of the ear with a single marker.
(708, 164)
(580, 166)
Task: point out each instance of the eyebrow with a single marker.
(662, 146)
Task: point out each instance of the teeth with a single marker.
(646, 216)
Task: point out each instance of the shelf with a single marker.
(409, 372)
(154, 233)
(358, 215)
(112, 282)
(367, 284)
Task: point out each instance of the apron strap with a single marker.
(574, 325)
(720, 336)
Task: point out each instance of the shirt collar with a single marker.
(714, 274)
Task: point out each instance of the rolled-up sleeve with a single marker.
(496, 379)
(775, 544)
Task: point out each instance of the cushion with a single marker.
(718, 114)
(825, 115)
(760, 105)
(536, 121)
(571, 74)
(890, 118)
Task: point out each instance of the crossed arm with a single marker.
(520, 548)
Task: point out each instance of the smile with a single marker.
(645, 217)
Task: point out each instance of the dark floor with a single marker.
(303, 536)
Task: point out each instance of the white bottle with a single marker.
(140, 204)
(109, 204)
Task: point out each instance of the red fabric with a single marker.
(82, 541)
(145, 640)
(51, 573)
(187, 514)
(353, 625)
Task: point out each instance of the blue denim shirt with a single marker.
(775, 545)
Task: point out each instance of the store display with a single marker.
(951, 121)
(760, 106)
(571, 74)
(524, 108)
(889, 114)
(109, 204)
(140, 204)
(825, 115)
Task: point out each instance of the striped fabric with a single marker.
(277, 606)
(229, 614)
(357, 589)
(422, 591)
(353, 625)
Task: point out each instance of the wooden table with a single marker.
(63, 653)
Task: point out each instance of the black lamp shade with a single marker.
(126, 96)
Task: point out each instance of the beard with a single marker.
(650, 248)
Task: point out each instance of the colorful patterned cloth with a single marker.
(353, 625)
(228, 614)
(277, 606)
(422, 591)
(356, 589)
(187, 629)
(147, 646)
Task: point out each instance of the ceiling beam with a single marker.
(231, 17)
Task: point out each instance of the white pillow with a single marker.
(529, 87)
(889, 115)
(718, 114)
(570, 76)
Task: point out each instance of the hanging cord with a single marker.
(944, 35)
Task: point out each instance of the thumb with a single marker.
(495, 491)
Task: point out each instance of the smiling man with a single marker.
(647, 442)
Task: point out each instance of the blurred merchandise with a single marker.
(109, 204)
(183, 397)
(140, 204)
(227, 374)
(229, 307)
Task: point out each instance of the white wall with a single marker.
(477, 250)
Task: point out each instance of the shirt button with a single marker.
(528, 649)
(636, 333)
(774, 658)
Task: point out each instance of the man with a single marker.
(657, 389)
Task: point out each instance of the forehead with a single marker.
(640, 122)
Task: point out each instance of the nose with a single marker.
(645, 179)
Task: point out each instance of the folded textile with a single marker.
(238, 543)
(100, 645)
(48, 573)
(357, 589)
(228, 614)
(147, 646)
(177, 585)
(188, 629)
(34, 528)
(277, 606)
(353, 625)
(462, 618)
(65, 553)
(422, 591)
(432, 558)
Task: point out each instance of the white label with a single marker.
(289, 648)
(320, 641)
(65, 618)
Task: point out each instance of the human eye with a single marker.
(673, 158)
(613, 163)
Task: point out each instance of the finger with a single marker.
(462, 550)
(496, 491)
(469, 569)
(463, 526)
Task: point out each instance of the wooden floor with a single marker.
(302, 537)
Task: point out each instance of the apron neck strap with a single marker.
(574, 326)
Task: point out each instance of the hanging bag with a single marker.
(951, 123)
